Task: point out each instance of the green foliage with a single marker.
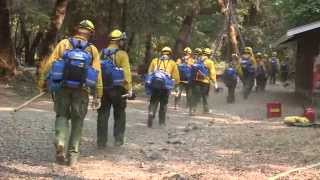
(261, 22)
(35, 14)
(297, 12)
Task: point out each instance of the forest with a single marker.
(30, 28)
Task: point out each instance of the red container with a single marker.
(274, 109)
(310, 113)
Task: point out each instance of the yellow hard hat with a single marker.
(187, 50)
(115, 35)
(259, 54)
(207, 51)
(198, 51)
(166, 50)
(247, 49)
(265, 55)
(274, 53)
(87, 24)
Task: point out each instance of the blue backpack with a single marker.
(158, 80)
(261, 73)
(198, 70)
(74, 70)
(284, 67)
(184, 71)
(112, 75)
(230, 73)
(247, 67)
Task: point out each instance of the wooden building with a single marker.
(307, 40)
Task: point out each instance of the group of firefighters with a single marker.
(253, 70)
(76, 69)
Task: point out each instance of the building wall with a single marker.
(307, 50)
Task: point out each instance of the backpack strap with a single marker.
(106, 54)
(79, 44)
(164, 64)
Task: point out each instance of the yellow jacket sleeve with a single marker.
(175, 72)
(152, 65)
(97, 66)
(56, 54)
(122, 59)
(213, 72)
(239, 69)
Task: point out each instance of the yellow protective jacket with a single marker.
(210, 65)
(261, 63)
(169, 66)
(57, 53)
(122, 61)
(189, 61)
(238, 65)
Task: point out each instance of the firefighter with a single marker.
(203, 74)
(265, 60)
(115, 87)
(160, 86)
(261, 73)
(247, 71)
(71, 101)
(274, 67)
(284, 71)
(184, 66)
(230, 78)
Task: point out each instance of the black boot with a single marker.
(150, 121)
(60, 156)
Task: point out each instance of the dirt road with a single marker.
(234, 142)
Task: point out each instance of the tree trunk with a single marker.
(233, 38)
(222, 6)
(100, 36)
(57, 18)
(233, 33)
(7, 61)
(130, 42)
(143, 68)
(26, 42)
(124, 16)
(30, 47)
(184, 36)
(227, 10)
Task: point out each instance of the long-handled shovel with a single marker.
(28, 102)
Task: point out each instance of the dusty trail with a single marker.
(236, 141)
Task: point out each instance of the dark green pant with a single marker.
(70, 104)
(231, 84)
(199, 91)
(273, 77)
(162, 97)
(248, 83)
(261, 83)
(182, 87)
(112, 97)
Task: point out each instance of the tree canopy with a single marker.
(196, 23)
